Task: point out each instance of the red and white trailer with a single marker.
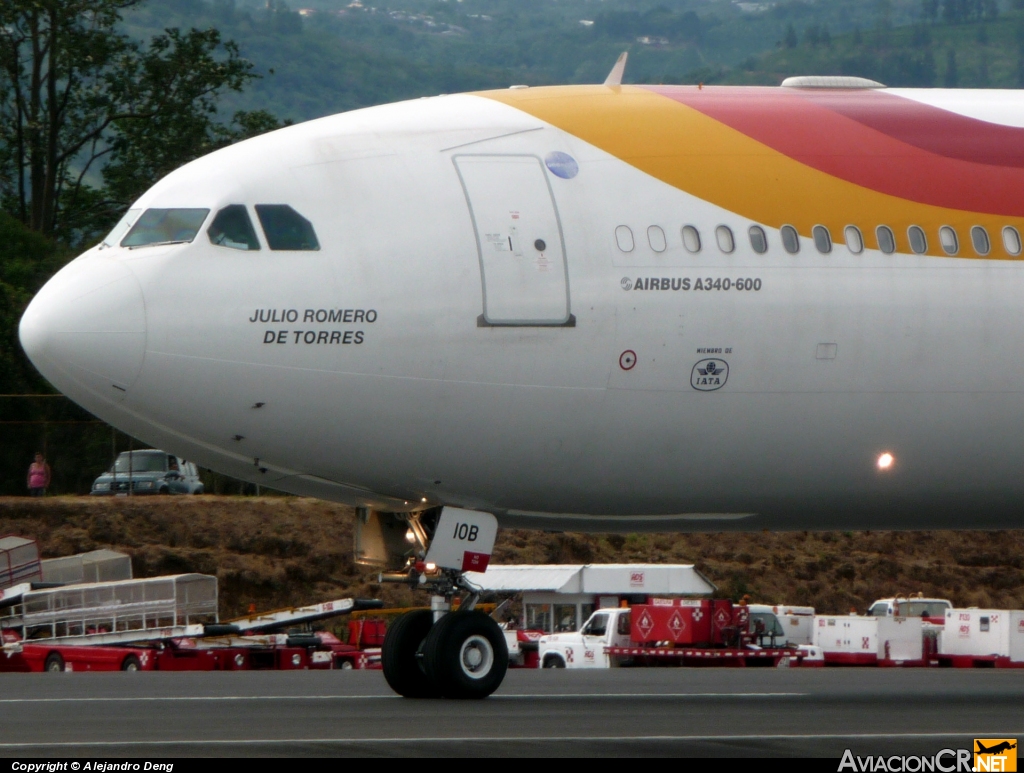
(27, 656)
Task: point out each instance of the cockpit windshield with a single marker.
(165, 226)
(285, 228)
(233, 228)
(121, 228)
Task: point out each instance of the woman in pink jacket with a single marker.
(38, 476)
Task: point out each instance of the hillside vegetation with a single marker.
(284, 551)
(978, 54)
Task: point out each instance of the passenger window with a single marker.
(1011, 240)
(854, 239)
(790, 239)
(723, 234)
(624, 238)
(285, 228)
(233, 228)
(979, 238)
(886, 239)
(165, 226)
(622, 627)
(918, 241)
(656, 238)
(822, 239)
(758, 240)
(691, 238)
(949, 241)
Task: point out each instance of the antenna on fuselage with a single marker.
(615, 76)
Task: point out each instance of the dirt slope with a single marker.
(280, 551)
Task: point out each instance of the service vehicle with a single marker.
(786, 624)
(982, 638)
(872, 640)
(148, 472)
(675, 632)
(932, 610)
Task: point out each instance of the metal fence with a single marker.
(19, 561)
(94, 566)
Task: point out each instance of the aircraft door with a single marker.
(519, 240)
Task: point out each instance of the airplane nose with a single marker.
(87, 328)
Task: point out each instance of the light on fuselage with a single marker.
(410, 536)
(885, 461)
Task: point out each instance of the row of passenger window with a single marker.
(949, 240)
(283, 228)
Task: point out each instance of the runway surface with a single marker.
(639, 712)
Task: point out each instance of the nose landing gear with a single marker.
(466, 655)
(438, 652)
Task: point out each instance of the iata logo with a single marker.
(709, 375)
(995, 754)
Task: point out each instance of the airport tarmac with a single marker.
(637, 712)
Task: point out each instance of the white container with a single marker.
(850, 634)
(979, 632)
(901, 638)
(1016, 635)
(857, 635)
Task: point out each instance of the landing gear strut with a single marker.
(438, 652)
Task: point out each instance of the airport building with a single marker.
(560, 597)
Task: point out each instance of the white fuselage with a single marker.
(403, 363)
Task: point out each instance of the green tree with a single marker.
(951, 77)
(790, 40)
(74, 90)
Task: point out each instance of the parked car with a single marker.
(150, 472)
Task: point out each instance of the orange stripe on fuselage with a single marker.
(878, 140)
(696, 153)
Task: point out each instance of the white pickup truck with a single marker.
(585, 648)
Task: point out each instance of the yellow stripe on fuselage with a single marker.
(697, 154)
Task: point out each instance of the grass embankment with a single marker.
(282, 551)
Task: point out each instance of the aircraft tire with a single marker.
(465, 655)
(400, 656)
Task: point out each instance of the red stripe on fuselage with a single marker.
(877, 140)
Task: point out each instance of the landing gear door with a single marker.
(463, 540)
(519, 240)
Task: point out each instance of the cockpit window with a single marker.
(121, 228)
(165, 226)
(233, 228)
(285, 228)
